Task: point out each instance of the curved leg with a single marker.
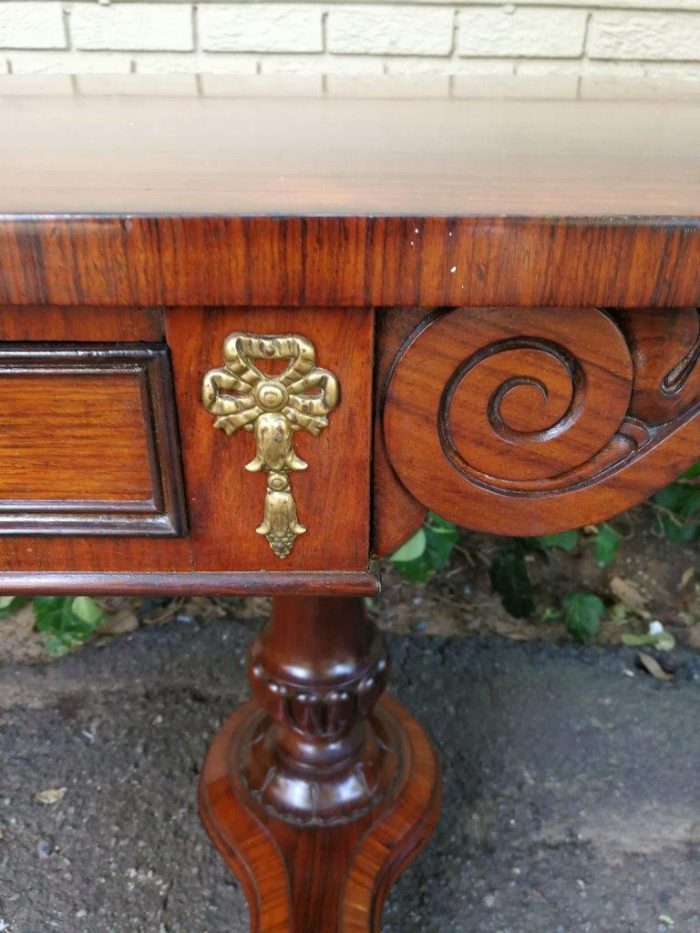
(318, 792)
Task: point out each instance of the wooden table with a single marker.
(248, 340)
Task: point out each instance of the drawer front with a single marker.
(227, 498)
(88, 441)
(96, 433)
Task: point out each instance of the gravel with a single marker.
(572, 788)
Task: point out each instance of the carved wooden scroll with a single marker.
(535, 420)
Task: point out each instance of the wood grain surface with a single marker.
(530, 273)
(42, 581)
(259, 199)
(532, 422)
(397, 514)
(81, 324)
(605, 261)
(72, 450)
(225, 500)
(87, 441)
(260, 152)
(325, 880)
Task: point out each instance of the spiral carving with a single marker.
(534, 407)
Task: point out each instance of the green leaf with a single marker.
(678, 531)
(680, 498)
(680, 520)
(510, 579)
(427, 551)
(566, 540)
(11, 604)
(551, 614)
(412, 549)
(441, 537)
(607, 541)
(416, 571)
(664, 641)
(693, 472)
(582, 614)
(60, 625)
(86, 609)
(638, 641)
(692, 504)
(671, 497)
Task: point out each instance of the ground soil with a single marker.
(660, 581)
(571, 784)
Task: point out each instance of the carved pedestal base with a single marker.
(320, 879)
(318, 792)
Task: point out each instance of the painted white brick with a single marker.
(261, 85)
(635, 39)
(321, 64)
(654, 36)
(685, 71)
(390, 30)
(513, 88)
(521, 31)
(132, 26)
(193, 63)
(69, 63)
(260, 27)
(132, 85)
(29, 25)
(601, 88)
(30, 85)
(389, 87)
(580, 66)
(449, 66)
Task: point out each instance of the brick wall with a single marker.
(576, 38)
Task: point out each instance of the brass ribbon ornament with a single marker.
(273, 407)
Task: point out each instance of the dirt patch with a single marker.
(460, 601)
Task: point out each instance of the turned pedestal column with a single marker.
(319, 790)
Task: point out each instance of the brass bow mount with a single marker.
(273, 407)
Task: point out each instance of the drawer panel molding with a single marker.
(88, 441)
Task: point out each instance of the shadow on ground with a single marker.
(572, 797)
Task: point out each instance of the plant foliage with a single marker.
(428, 551)
(65, 621)
(678, 511)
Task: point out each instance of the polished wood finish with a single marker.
(400, 515)
(223, 501)
(314, 800)
(507, 293)
(332, 494)
(317, 670)
(171, 583)
(534, 421)
(351, 261)
(46, 323)
(260, 151)
(347, 201)
(665, 347)
(88, 441)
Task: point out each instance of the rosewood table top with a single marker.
(252, 330)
